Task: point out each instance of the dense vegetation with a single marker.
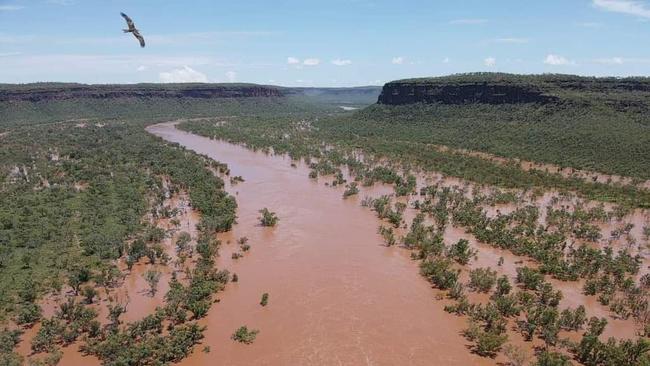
(592, 137)
(563, 247)
(531, 306)
(144, 110)
(72, 196)
(77, 195)
(307, 137)
(598, 124)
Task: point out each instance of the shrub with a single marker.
(244, 335)
(268, 218)
(573, 320)
(547, 358)
(89, 294)
(529, 278)
(516, 355)
(152, 277)
(28, 314)
(351, 190)
(461, 252)
(482, 279)
(439, 272)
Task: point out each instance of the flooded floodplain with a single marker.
(337, 295)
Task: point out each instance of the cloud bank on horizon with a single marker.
(297, 43)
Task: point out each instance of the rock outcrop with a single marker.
(75, 91)
(500, 88)
(398, 93)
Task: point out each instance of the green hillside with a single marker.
(599, 124)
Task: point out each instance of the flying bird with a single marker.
(133, 29)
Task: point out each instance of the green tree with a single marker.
(461, 251)
(89, 293)
(28, 314)
(547, 358)
(482, 279)
(152, 277)
(244, 335)
(268, 218)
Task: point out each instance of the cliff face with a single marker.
(398, 93)
(208, 91)
(500, 88)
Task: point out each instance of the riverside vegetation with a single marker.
(79, 195)
(555, 222)
(76, 198)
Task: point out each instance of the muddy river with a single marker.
(337, 295)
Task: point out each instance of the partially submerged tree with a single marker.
(152, 277)
(268, 218)
(265, 299)
(244, 335)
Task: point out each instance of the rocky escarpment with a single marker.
(50, 92)
(499, 88)
(397, 93)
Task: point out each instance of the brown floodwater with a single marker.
(133, 291)
(337, 295)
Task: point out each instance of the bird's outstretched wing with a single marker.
(139, 37)
(129, 22)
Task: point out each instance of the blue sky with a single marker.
(318, 43)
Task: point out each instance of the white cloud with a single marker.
(293, 61)
(611, 61)
(231, 76)
(10, 7)
(468, 21)
(141, 68)
(339, 62)
(557, 60)
(490, 62)
(511, 40)
(311, 62)
(399, 60)
(183, 75)
(630, 7)
(446, 60)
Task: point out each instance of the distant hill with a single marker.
(499, 88)
(60, 91)
(597, 124)
(54, 91)
(24, 104)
